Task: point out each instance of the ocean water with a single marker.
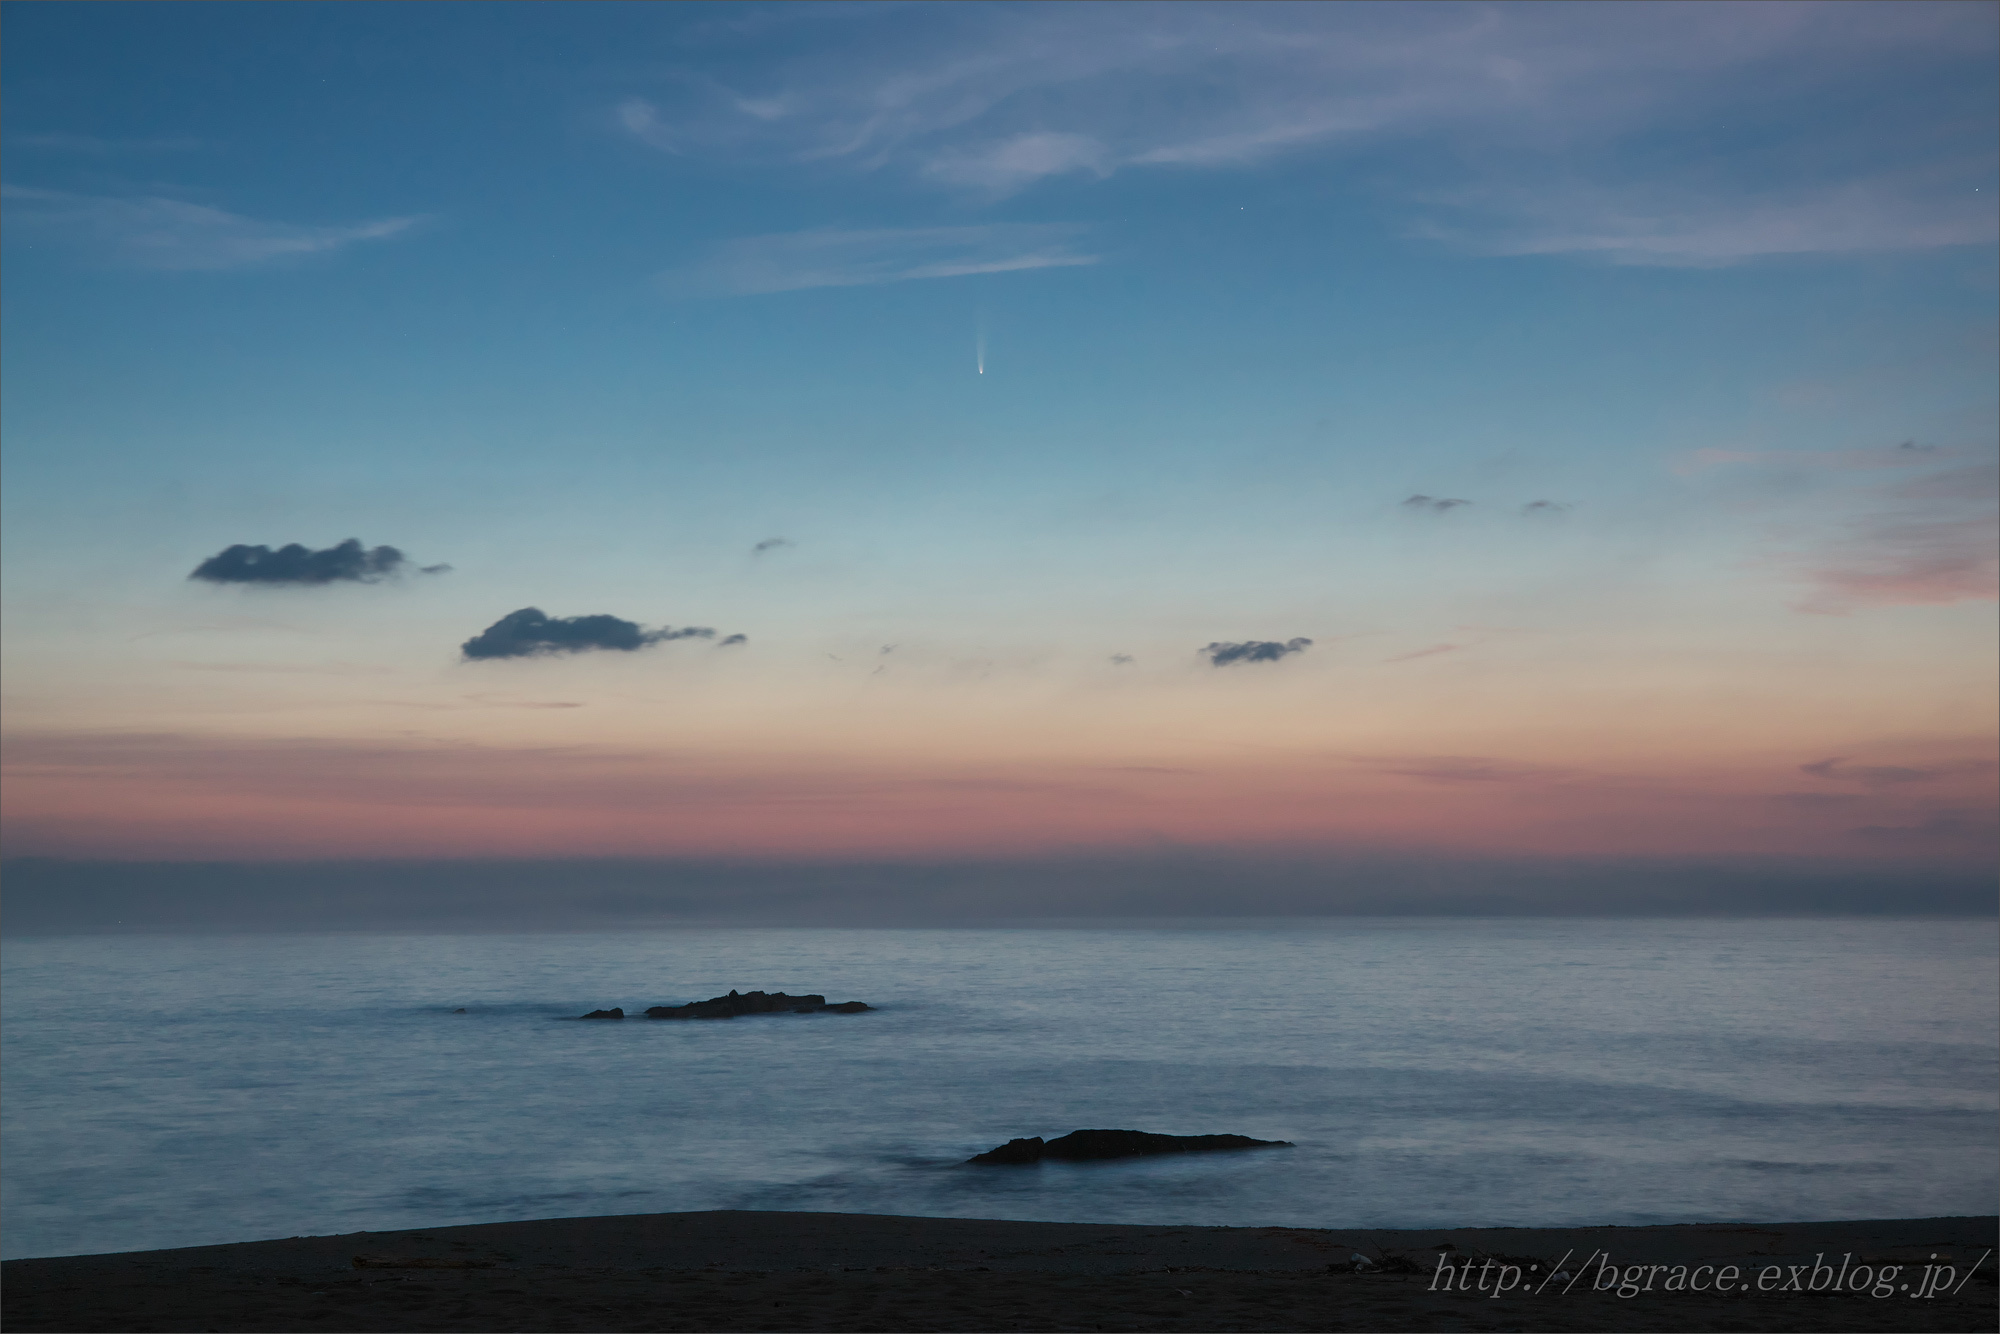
(173, 1091)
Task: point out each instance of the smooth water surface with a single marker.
(173, 1091)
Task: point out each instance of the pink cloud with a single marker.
(1923, 539)
(1908, 562)
(198, 798)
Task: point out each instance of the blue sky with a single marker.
(587, 300)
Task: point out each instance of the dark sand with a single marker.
(796, 1271)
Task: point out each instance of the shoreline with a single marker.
(743, 1270)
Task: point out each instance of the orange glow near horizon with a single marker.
(1634, 741)
(140, 798)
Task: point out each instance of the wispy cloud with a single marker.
(1914, 561)
(1641, 133)
(1908, 454)
(1430, 652)
(488, 700)
(794, 261)
(1925, 541)
(1842, 770)
(1689, 225)
(1472, 769)
(1899, 525)
(1433, 504)
(155, 232)
(1006, 165)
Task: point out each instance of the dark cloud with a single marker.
(349, 562)
(1120, 659)
(1253, 650)
(729, 640)
(771, 544)
(1545, 507)
(531, 632)
(1433, 504)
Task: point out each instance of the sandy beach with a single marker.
(803, 1271)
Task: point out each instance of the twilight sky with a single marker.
(1605, 392)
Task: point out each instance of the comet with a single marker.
(979, 344)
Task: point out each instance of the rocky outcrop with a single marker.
(755, 1002)
(1086, 1144)
(603, 1014)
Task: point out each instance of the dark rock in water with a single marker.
(603, 1014)
(459, 1010)
(1085, 1144)
(1131, 1143)
(755, 1002)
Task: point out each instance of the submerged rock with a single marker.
(755, 1002)
(1085, 1144)
(603, 1014)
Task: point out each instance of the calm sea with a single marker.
(173, 1091)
